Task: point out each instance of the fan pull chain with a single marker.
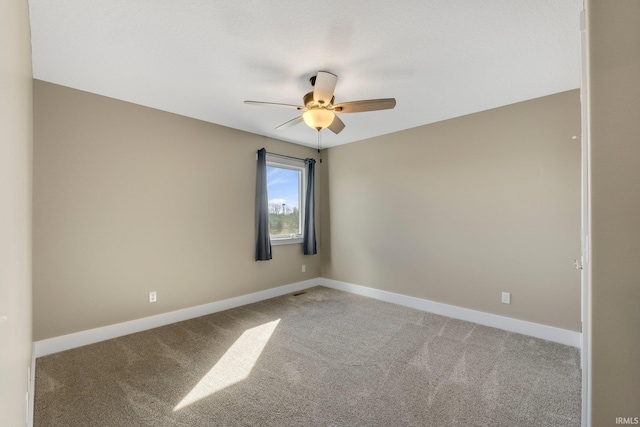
(319, 144)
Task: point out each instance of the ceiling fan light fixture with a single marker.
(319, 118)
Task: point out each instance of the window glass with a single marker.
(285, 193)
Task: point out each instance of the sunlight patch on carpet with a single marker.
(234, 366)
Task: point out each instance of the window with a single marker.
(286, 183)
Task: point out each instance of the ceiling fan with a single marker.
(319, 109)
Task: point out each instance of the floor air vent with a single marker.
(297, 294)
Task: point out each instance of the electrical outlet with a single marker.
(304, 268)
(153, 297)
(506, 298)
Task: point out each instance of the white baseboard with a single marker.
(536, 330)
(78, 339)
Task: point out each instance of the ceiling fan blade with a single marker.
(290, 123)
(275, 104)
(336, 125)
(365, 105)
(324, 86)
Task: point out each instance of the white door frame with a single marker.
(585, 274)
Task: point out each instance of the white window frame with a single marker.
(296, 165)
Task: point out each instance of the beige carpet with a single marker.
(322, 358)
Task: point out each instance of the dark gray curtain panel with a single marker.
(263, 241)
(309, 240)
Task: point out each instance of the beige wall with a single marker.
(128, 199)
(613, 31)
(461, 210)
(15, 209)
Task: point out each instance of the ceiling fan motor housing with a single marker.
(308, 101)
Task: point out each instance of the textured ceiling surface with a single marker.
(202, 58)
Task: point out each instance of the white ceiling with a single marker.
(202, 58)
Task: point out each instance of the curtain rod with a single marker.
(283, 155)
